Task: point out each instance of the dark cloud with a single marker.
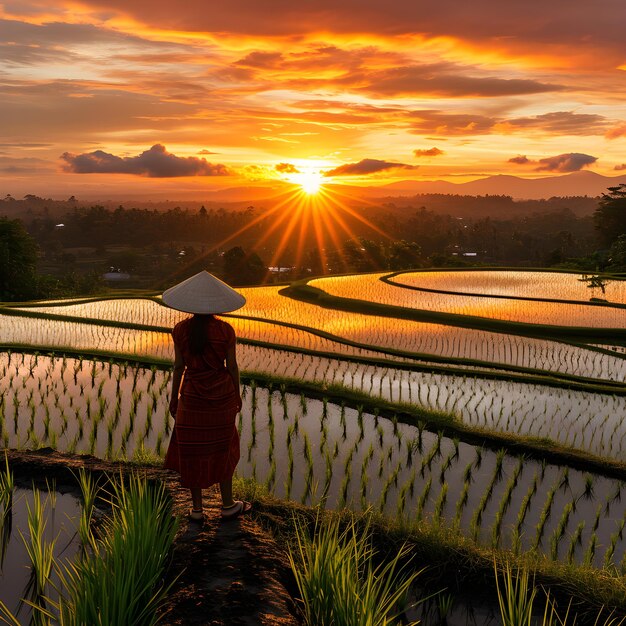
(367, 166)
(571, 162)
(620, 168)
(439, 123)
(205, 151)
(154, 163)
(286, 168)
(431, 152)
(54, 42)
(443, 79)
(559, 123)
(520, 160)
(570, 24)
(554, 123)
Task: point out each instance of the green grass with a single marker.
(338, 581)
(453, 561)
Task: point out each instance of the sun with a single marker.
(310, 182)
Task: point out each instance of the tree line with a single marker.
(44, 257)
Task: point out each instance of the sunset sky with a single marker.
(112, 97)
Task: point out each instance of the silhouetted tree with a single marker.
(617, 255)
(18, 259)
(241, 268)
(610, 216)
(404, 255)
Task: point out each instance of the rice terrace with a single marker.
(460, 408)
(312, 314)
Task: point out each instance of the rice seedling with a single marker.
(475, 523)
(7, 486)
(271, 477)
(516, 596)
(347, 477)
(40, 551)
(328, 476)
(545, 514)
(338, 582)
(575, 541)
(405, 493)
(392, 479)
(121, 581)
(505, 501)
(440, 504)
(559, 532)
(419, 511)
(615, 537)
(591, 550)
(308, 484)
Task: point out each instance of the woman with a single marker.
(205, 397)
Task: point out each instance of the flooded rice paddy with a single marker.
(105, 408)
(372, 289)
(314, 450)
(518, 284)
(487, 349)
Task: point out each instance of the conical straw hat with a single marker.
(204, 294)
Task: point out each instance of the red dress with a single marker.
(204, 447)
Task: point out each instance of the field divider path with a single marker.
(213, 568)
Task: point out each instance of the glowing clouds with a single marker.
(367, 166)
(286, 168)
(431, 152)
(156, 162)
(561, 163)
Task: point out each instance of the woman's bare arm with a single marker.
(233, 369)
(179, 368)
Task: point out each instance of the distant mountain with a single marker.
(250, 193)
(576, 184)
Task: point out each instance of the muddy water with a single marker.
(61, 514)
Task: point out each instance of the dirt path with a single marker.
(229, 574)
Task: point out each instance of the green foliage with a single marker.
(610, 216)
(121, 580)
(18, 259)
(241, 268)
(339, 583)
(516, 596)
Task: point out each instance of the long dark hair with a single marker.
(198, 335)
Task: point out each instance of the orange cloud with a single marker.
(286, 168)
(426, 153)
(615, 133)
(520, 160)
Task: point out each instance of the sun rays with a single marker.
(310, 182)
(310, 216)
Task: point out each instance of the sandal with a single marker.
(196, 515)
(240, 507)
